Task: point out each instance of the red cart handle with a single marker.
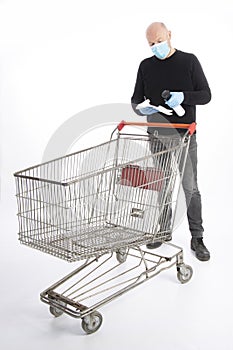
(190, 127)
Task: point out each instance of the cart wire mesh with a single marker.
(100, 199)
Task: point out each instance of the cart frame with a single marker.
(69, 300)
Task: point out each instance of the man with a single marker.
(181, 74)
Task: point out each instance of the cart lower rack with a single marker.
(111, 198)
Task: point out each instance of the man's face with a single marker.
(158, 35)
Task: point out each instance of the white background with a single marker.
(59, 58)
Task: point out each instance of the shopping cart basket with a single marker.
(105, 200)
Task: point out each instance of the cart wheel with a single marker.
(92, 322)
(184, 273)
(55, 311)
(121, 255)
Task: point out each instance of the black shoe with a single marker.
(154, 245)
(200, 249)
(157, 244)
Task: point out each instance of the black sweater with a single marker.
(179, 72)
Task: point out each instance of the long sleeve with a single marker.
(201, 93)
(138, 95)
(179, 72)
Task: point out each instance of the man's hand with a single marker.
(175, 100)
(148, 110)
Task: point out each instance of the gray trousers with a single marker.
(192, 194)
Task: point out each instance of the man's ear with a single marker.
(169, 34)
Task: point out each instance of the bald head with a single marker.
(157, 32)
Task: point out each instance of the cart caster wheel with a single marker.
(55, 311)
(92, 322)
(184, 273)
(121, 255)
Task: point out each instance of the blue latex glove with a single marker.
(148, 110)
(175, 100)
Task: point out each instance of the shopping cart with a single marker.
(102, 201)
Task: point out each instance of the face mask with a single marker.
(161, 50)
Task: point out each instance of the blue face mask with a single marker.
(161, 50)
